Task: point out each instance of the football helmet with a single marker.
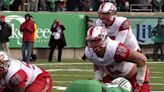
(107, 12)
(4, 63)
(96, 37)
(107, 7)
(123, 83)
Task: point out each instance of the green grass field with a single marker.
(65, 72)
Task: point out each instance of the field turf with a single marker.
(68, 70)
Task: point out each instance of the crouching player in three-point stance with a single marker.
(113, 59)
(17, 76)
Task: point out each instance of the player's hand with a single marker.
(137, 87)
(2, 57)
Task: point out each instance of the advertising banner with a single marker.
(75, 25)
(142, 28)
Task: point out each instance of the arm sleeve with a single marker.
(22, 27)
(123, 31)
(122, 53)
(18, 80)
(10, 30)
(62, 27)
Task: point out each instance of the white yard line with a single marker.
(62, 64)
(64, 88)
(79, 70)
(66, 75)
(82, 63)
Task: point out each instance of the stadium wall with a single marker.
(75, 23)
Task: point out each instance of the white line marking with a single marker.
(66, 75)
(159, 84)
(63, 81)
(59, 87)
(62, 63)
(82, 63)
(155, 77)
(79, 70)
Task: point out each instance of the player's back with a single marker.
(22, 69)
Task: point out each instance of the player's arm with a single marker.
(123, 53)
(141, 61)
(17, 81)
(123, 31)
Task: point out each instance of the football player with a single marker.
(17, 76)
(113, 59)
(118, 27)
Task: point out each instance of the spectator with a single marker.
(28, 30)
(17, 76)
(157, 5)
(32, 5)
(85, 5)
(60, 5)
(96, 4)
(5, 33)
(16, 5)
(42, 5)
(5, 4)
(72, 5)
(158, 35)
(113, 59)
(123, 5)
(57, 39)
(1, 4)
(51, 5)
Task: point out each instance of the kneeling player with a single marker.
(17, 76)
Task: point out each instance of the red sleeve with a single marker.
(18, 80)
(122, 53)
(22, 27)
(125, 25)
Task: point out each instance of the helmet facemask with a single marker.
(4, 65)
(107, 12)
(97, 41)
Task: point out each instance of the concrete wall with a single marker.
(43, 53)
(67, 53)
